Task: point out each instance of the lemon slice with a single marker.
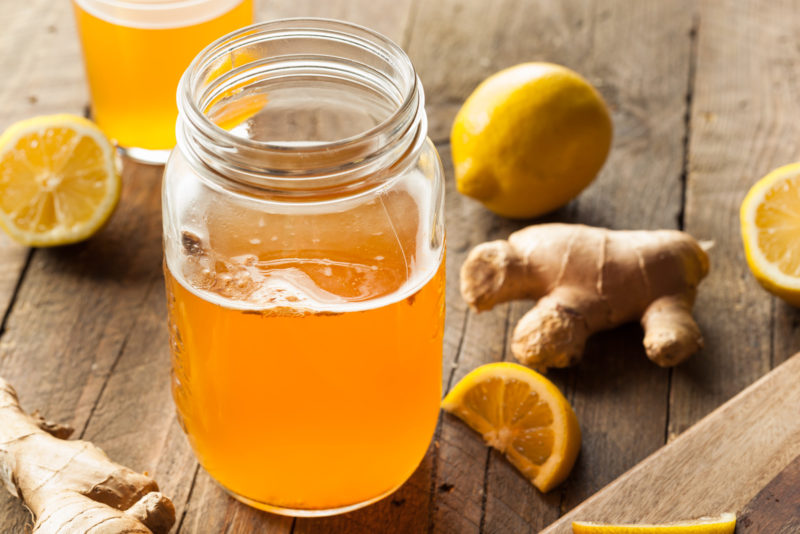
(522, 414)
(58, 180)
(723, 524)
(770, 218)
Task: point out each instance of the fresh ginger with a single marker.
(72, 486)
(590, 279)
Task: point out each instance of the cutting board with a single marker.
(718, 465)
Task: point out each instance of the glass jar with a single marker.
(304, 261)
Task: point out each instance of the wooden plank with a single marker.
(776, 508)
(133, 417)
(461, 458)
(41, 74)
(40, 59)
(744, 111)
(785, 331)
(389, 18)
(513, 504)
(701, 473)
(74, 316)
(619, 395)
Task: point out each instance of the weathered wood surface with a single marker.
(703, 102)
(701, 473)
(776, 508)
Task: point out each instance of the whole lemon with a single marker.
(529, 139)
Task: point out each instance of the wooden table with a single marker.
(705, 99)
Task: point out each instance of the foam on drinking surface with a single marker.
(157, 14)
(344, 279)
(297, 284)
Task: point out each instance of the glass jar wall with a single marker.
(304, 260)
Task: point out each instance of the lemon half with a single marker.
(58, 180)
(770, 222)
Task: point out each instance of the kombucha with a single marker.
(133, 66)
(299, 409)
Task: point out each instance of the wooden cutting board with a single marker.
(716, 466)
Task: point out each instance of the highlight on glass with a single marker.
(135, 52)
(304, 263)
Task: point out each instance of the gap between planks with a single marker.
(15, 292)
(694, 31)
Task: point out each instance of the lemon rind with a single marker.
(726, 519)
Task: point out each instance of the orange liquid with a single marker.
(310, 411)
(133, 72)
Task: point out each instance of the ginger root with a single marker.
(590, 279)
(72, 486)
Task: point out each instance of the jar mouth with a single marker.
(284, 103)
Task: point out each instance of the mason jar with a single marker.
(304, 264)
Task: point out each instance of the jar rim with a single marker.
(330, 164)
(225, 43)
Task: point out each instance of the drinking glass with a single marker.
(135, 52)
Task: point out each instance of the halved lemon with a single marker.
(59, 182)
(522, 414)
(722, 524)
(770, 219)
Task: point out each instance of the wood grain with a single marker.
(40, 62)
(701, 473)
(461, 458)
(743, 117)
(392, 19)
(75, 312)
(776, 508)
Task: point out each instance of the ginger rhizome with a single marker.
(72, 486)
(589, 279)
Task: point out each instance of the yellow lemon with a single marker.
(58, 180)
(770, 219)
(723, 524)
(522, 414)
(529, 139)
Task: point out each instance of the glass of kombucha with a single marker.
(304, 266)
(135, 52)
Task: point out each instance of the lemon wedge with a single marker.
(522, 414)
(770, 219)
(723, 524)
(58, 180)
